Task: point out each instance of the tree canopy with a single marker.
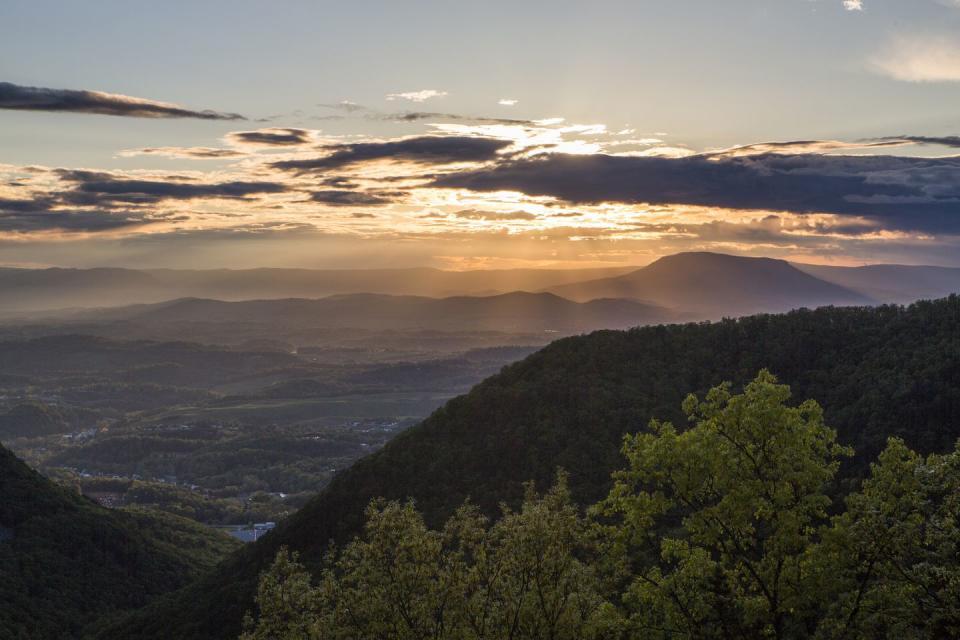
(730, 528)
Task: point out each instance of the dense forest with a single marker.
(719, 531)
(878, 373)
(66, 562)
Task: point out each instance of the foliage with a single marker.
(746, 484)
(892, 560)
(721, 531)
(64, 561)
(527, 576)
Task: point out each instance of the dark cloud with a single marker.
(97, 189)
(474, 214)
(197, 153)
(343, 105)
(17, 97)
(82, 175)
(73, 221)
(944, 141)
(342, 197)
(360, 214)
(341, 182)
(16, 205)
(807, 146)
(423, 150)
(416, 116)
(904, 193)
(276, 137)
(37, 214)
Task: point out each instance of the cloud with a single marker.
(344, 197)
(196, 153)
(18, 97)
(918, 58)
(903, 193)
(98, 189)
(507, 102)
(71, 221)
(853, 5)
(808, 146)
(944, 141)
(274, 137)
(417, 96)
(414, 116)
(474, 214)
(421, 150)
(343, 105)
(37, 214)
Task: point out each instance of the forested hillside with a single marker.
(65, 561)
(887, 371)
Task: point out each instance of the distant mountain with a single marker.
(708, 283)
(66, 561)
(715, 284)
(878, 372)
(45, 289)
(891, 282)
(511, 312)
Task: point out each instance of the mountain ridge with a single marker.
(517, 311)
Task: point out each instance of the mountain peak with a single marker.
(717, 284)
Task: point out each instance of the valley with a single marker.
(274, 421)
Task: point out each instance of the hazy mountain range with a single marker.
(674, 288)
(509, 312)
(35, 289)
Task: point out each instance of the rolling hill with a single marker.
(517, 312)
(65, 561)
(878, 372)
(26, 290)
(714, 285)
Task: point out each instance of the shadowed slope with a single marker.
(65, 561)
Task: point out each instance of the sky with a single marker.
(477, 135)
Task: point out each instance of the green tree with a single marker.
(527, 577)
(891, 561)
(535, 573)
(719, 519)
(287, 603)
